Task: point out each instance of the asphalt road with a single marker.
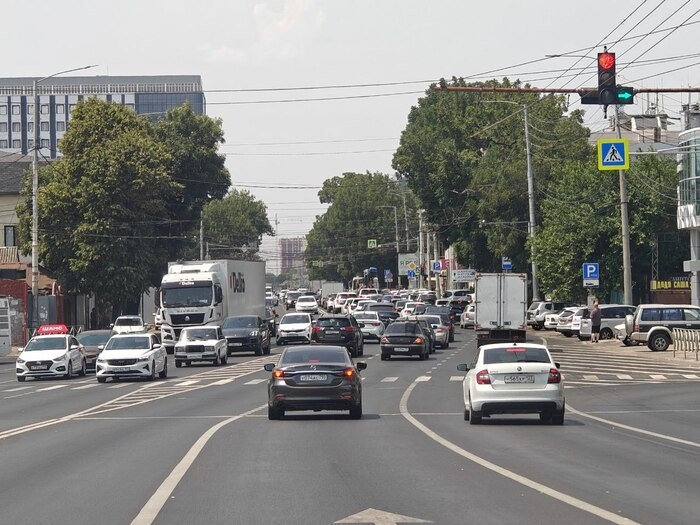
(198, 448)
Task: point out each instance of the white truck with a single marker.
(501, 303)
(329, 287)
(204, 293)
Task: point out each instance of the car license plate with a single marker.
(236, 344)
(332, 332)
(519, 379)
(313, 377)
(42, 367)
(401, 349)
(120, 369)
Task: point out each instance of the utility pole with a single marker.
(626, 259)
(531, 205)
(421, 258)
(438, 287)
(201, 235)
(428, 269)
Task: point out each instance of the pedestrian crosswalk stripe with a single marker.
(187, 383)
(591, 377)
(624, 376)
(456, 378)
(687, 376)
(422, 378)
(388, 379)
(657, 376)
(255, 381)
(223, 381)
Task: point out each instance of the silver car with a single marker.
(371, 325)
(441, 331)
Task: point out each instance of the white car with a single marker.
(132, 356)
(56, 355)
(551, 320)
(467, 318)
(371, 326)
(409, 308)
(127, 324)
(201, 343)
(306, 303)
(513, 378)
(441, 332)
(294, 328)
(566, 319)
(340, 299)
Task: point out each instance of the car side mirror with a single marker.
(74, 347)
(100, 347)
(156, 346)
(269, 367)
(361, 365)
(463, 367)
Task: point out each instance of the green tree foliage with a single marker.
(581, 223)
(237, 220)
(360, 209)
(99, 205)
(463, 155)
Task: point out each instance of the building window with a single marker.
(31, 143)
(16, 144)
(10, 236)
(3, 127)
(16, 126)
(30, 109)
(44, 109)
(44, 126)
(15, 109)
(3, 110)
(44, 143)
(60, 108)
(30, 127)
(3, 144)
(60, 125)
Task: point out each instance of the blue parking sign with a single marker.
(591, 271)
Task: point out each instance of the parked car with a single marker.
(371, 325)
(51, 355)
(132, 356)
(339, 329)
(513, 378)
(551, 320)
(247, 333)
(201, 343)
(653, 324)
(404, 338)
(306, 303)
(441, 330)
(294, 328)
(316, 377)
(566, 319)
(538, 309)
(92, 340)
(127, 324)
(611, 315)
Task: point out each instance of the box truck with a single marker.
(501, 304)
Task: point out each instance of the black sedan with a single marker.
(404, 338)
(316, 377)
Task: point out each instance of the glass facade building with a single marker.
(689, 179)
(151, 96)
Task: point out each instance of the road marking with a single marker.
(422, 379)
(186, 383)
(456, 378)
(17, 389)
(624, 376)
(687, 376)
(55, 387)
(388, 379)
(255, 381)
(84, 386)
(590, 377)
(657, 376)
(539, 487)
(155, 504)
(119, 385)
(223, 382)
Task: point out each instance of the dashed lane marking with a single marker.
(55, 387)
(255, 381)
(456, 378)
(222, 382)
(389, 379)
(17, 389)
(657, 376)
(91, 385)
(423, 379)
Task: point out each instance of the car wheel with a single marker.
(659, 342)
(101, 379)
(356, 411)
(69, 372)
(178, 364)
(466, 414)
(259, 349)
(274, 413)
(268, 347)
(606, 333)
(537, 326)
(152, 377)
(451, 338)
(567, 334)
(188, 363)
(164, 373)
(382, 357)
(21, 379)
(474, 417)
(224, 358)
(423, 356)
(558, 416)
(217, 360)
(83, 369)
(362, 349)
(546, 416)
(447, 344)
(629, 342)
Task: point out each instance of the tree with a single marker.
(238, 220)
(360, 210)
(100, 204)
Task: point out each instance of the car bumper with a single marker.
(402, 350)
(340, 397)
(518, 402)
(139, 369)
(209, 355)
(289, 337)
(54, 370)
(373, 334)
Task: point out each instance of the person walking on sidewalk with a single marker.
(595, 322)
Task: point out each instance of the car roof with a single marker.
(133, 334)
(493, 346)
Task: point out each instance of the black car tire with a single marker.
(537, 326)
(466, 415)
(188, 363)
(152, 377)
(451, 338)
(546, 416)
(101, 379)
(627, 341)
(423, 355)
(268, 346)
(164, 373)
(178, 364)
(382, 357)
(558, 416)
(21, 379)
(259, 349)
(224, 359)
(567, 334)
(659, 342)
(83, 369)
(606, 333)
(274, 413)
(217, 360)
(356, 411)
(69, 371)
(474, 417)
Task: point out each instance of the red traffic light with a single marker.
(606, 60)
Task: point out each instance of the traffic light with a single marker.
(624, 95)
(607, 89)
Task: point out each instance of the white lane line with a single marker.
(155, 504)
(255, 381)
(186, 383)
(389, 379)
(55, 387)
(590, 377)
(91, 385)
(422, 379)
(624, 376)
(456, 378)
(17, 389)
(223, 382)
(544, 489)
(657, 376)
(687, 376)
(118, 385)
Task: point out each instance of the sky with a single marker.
(249, 52)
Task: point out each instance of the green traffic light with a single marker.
(625, 95)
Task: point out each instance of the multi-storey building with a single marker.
(58, 96)
(291, 252)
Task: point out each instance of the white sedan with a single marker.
(294, 328)
(132, 356)
(306, 303)
(201, 343)
(126, 324)
(513, 378)
(59, 355)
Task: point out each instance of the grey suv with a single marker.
(653, 324)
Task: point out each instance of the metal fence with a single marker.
(685, 341)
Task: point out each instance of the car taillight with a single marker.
(317, 329)
(483, 378)
(383, 341)
(554, 376)
(376, 323)
(348, 328)
(418, 341)
(349, 372)
(280, 373)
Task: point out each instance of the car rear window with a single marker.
(311, 355)
(515, 355)
(378, 307)
(333, 322)
(402, 328)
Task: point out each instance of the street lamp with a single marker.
(35, 194)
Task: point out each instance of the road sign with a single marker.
(411, 274)
(407, 261)
(436, 266)
(613, 154)
(591, 270)
(371, 243)
(506, 263)
(463, 276)
(388, 276)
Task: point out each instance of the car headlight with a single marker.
(144, 359)
(20, 361)
(101, 360)
(209, 348)
(61, 358)
(254, 333)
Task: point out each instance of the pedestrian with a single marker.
(93, 319)
(595, 322)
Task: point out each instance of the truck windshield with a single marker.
(187, 296)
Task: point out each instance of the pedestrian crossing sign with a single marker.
(613, 154)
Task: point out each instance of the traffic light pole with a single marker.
(625, 227)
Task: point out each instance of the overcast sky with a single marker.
(274, 148)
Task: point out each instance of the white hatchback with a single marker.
(513, 378)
